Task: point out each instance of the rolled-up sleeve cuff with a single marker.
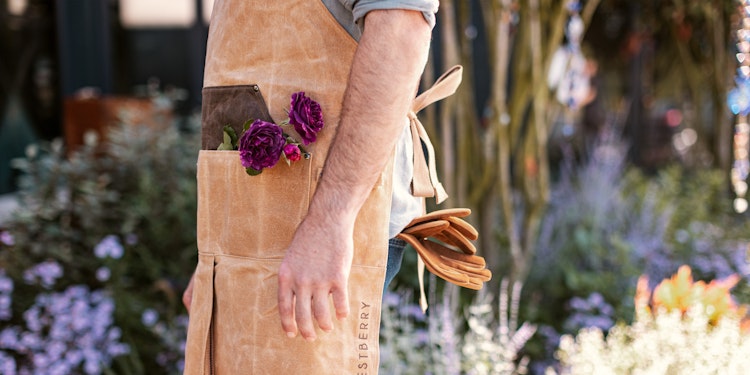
(427, 7)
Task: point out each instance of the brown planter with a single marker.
(97, 114)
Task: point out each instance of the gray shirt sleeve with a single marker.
(360, 8)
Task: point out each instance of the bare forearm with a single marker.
(383, 81)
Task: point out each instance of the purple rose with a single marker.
(261, 145)
(292, 152)
(306, 116)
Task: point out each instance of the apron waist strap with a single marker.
(425, 182)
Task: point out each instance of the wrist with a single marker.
(330, 218)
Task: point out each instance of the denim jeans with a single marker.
(395, 257)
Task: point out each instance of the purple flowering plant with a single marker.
(262, 144)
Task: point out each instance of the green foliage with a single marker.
(135, 191)
(583, 245)
(608, 224)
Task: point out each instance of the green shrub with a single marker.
(118, 220)
(608, 223)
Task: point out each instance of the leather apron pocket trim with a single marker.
(232, 105)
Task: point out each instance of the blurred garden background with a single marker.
(602, 146)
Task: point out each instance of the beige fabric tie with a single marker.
(425, 182)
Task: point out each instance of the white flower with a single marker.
(668, 343)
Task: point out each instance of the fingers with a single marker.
(300, 308)
(455, 267)
(427, 229)
(304, 316)
(451, 230)
(286, 304)
(310, 309)
(466, 229)
(316, 308)
(187, 296)
(445, 252)
(322, 311)
(452, 236)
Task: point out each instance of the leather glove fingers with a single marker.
(470, 265)
(458, 268)
(451, 230)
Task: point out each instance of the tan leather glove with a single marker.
(443, 241)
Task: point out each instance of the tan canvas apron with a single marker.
(259, 53)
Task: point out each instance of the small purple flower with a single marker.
(7, 364)
(46, 272)
(149, 317)
(306, 116)
(58, 322)
(6, 283)
(131, 239)
(5, 307)
(391, 299)
(413, 311)
(7, 239)
(261, 145)
(103, 274)
(109, 247)
(9, 338)
(74, 358)
(422, 337)
(91, 366)
(292, 152)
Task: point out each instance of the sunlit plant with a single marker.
(680, 293)
(683, 327)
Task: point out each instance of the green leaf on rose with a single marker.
(230, 139)
(229, 130)
(253, 172)
(247, 125)
(227, 144)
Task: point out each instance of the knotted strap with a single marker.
(425, 182)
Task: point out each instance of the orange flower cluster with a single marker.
(680, 293)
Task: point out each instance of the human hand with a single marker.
(187, 296)
(316, 265)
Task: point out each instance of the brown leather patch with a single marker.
(233, 105)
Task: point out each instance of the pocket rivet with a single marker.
(256, 88)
